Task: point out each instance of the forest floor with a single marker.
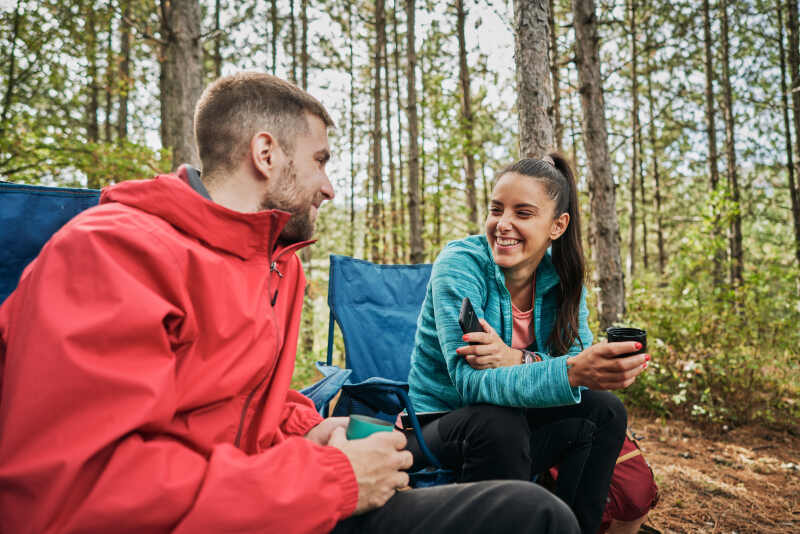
(715, 481)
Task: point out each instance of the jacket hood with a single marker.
(169, 197)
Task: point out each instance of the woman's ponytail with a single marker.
(568, 261)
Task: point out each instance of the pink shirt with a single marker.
(523, 332)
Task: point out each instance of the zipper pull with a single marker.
(273, 268)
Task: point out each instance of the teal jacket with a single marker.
(440, 379)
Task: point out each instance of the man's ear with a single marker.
(559, 226)
(265, 153)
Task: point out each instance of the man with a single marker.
(147, 352)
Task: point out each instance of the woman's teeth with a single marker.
(507, 242)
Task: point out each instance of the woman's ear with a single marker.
(559, 226)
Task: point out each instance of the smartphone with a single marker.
(423, 417)
(467, 318)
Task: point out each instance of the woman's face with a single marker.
(521, 222)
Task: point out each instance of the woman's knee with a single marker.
(609, 410)
(500, 427)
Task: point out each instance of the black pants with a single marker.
(487, 442)
(500, 507)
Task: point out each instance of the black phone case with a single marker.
(467, 318)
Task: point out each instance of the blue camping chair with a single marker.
(29, 215)
(376, 308)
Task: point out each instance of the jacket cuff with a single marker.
(300, 421)
(568, 392)
(338, 462)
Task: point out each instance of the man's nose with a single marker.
(327, 188)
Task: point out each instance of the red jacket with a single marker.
(145, 362)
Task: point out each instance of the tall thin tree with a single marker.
(793, 57)
(793, 193)
(533, 77)
(415, 227)
(124, 71)
(377, 162)
(604, 231)
(466, 119)
(735, 236)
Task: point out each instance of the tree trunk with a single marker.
(182, 77)
(415, 230)
(555, 75)
(634, 149)
(293, 37)
(736, 251)
(273, 10)
(711, 130)
(794, 74)
(466, 119)
(12, 64)
(401, 196)
(217, 40)
(655, 155)
(109, 82)
(304, 47)
(92, 105)
(604, 231)
(351, 236)
(124, 71)
(534, 101)
(395, 229)
(377, 163)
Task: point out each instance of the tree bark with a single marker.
(109, 82)
(655, 156)
(634, 148)
(793, 57)
(555, 75)
(351, 242)
(534, 101)
(181, 77)
(293, 38)
(92, 105)
(736, 251)
(400, 194)
(304, 40)
(711, 129)
(273, 10)
(124, 72)
(377, 163)
(466, 119)
(415, 227)
(395, 230)
(217, 39)
(12, 64)
(604, 231)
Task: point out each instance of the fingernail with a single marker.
(464, 337)
(638, 346)
(647, 357)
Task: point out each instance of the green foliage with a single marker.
(720, 354)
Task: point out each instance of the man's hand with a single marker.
(599, 367)
(376, 461)
(321, 434)
(490, 352)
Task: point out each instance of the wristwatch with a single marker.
(530, 357)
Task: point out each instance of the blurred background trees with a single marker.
(682, 118)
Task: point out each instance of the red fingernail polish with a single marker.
(644, 365)
(647, 357)
(464, 337)
(638, 346)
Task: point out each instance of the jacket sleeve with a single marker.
(455, 276)
(89, 375)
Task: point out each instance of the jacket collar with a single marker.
(172, 199)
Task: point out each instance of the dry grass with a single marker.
(743, 481)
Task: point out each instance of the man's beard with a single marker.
(284, 196)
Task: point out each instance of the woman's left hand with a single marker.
(489, 351)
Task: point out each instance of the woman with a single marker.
(517, 395)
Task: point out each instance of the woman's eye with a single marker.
(495, 211)
(524, 214)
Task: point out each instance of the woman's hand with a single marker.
(490, 351)
(600, 368)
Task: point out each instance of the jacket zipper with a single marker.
(273, 267)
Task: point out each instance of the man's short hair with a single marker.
(234, 108)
